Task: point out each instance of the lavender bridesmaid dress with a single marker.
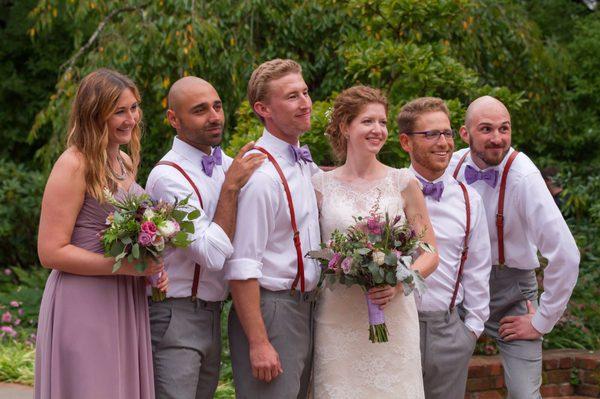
(93, 338)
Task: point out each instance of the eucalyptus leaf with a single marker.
(324, 253)
(362, 251)
(116, 249)
(135, 250)
(427, 247)
(116, 266)
(195, 214)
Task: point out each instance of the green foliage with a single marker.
(17, 362)
(25, 286)
(20, 195)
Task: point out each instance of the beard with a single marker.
(203, 136)
(490, 160)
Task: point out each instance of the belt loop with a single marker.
(447, 316)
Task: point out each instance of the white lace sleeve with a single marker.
(405, 176)
(318, 181)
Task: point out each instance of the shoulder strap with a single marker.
(189, 179)
(500, 214)
(297, 243)
(465, 251)
(460, 162)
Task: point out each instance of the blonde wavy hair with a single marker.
(95, 102)
(347, 106)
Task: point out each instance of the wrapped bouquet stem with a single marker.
(377, 250)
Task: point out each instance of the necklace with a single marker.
(123, 174)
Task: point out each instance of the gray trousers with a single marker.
(186, 347)
(289, 323)
(446, 348)
(522, 359)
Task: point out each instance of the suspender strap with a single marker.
(297, 244)
(189, 179)
(500, 214)
(460, 162)
(465, 251)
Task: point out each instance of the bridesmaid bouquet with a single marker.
(140, 227)
(376, 250)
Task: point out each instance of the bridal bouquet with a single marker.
(140, 227)
(375, 251)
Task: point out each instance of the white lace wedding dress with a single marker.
(347, 365)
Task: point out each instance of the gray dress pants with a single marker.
(289, 323)
(186, 348)
(522, 359)
(446, 348)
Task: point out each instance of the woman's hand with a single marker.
(163, 282)
(383, 295)
(154, 266)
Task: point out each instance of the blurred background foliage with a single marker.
(540, 58)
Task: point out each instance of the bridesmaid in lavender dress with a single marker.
(93, 334)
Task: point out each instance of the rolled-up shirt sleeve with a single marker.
(211, 245)
(552, 236)
(475, 280)
(257, 206)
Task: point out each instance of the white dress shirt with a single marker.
(211, 245)
(532, 222)
(448, 218)
(263, 242)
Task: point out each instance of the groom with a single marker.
(272, 284)
(461, 234)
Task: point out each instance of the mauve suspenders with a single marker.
(465, 251)
(500, 214)
(297, 244)
(189, 179)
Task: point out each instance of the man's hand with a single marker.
(265, 363)
(242, 168)
(519, 327)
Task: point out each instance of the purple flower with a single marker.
(9, 330)
(21, 312)
(17, 322)
(334, 261)
(149, 228)
(347, 264)
(14, 304)
(144, 239)
(6, 317)
(374, 226)
(7, 272)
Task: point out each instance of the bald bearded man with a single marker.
(186, 327)
(522, 218)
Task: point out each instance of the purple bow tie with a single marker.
(490, 176)
(301, 153)
(209, 161)
(433, 190)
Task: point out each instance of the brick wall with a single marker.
(565, 372)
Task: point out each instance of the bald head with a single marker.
(485, 105)
(184, 90)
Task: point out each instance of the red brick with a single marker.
(588, 390)
(480, 384)
(499, 381)
(550, 390)
(587, 362)
(558, 376)
(488, 395)
(566, 389)
(551, 363)
(566, 363)
(589, 377)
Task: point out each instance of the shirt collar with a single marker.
(446, 177)
(276, 146)
(499, 167)
(189, 152)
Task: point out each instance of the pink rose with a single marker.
(7, 272)
(21, 312)
(149, 228)
(144, 239)
(14, 304)
(6, 317)
(334, 261)
(346, 265)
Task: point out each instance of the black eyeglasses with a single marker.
(435, 134)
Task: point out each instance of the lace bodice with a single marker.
(346, 364)
(340, 201)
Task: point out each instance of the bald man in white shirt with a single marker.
(272, 284)
(522, 220)
(186, 327)
(461, 234)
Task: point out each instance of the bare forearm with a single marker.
(426, 263)
(75, 260)
(246, 299)
(226, 212)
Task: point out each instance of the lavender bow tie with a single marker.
(490, 176)
(301, 153)
(433, 190)
(209, 161)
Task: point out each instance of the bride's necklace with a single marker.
(123, 174)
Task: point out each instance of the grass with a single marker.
(17, 362)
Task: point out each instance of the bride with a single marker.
(347, 365)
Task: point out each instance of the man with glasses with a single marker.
(522, 220)
(461, 234)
